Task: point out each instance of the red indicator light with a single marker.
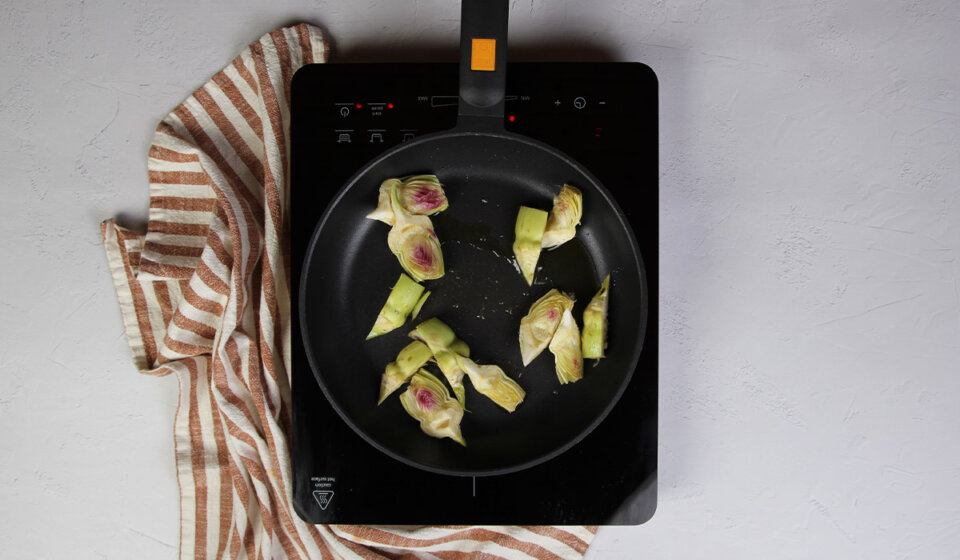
(359, 105)
(511, 118)
(389, 105)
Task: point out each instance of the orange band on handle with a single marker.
(483, 55)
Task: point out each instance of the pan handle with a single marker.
(483, 63)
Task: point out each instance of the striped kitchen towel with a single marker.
(205, 295)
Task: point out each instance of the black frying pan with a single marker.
(487, 174)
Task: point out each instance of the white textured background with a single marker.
(810, 261)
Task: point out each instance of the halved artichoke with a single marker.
(539, 324)
(564, 217)
(409, 360)
(418, 194)
(401, 301)
(427, 400)
(422, 194)
(566, 349)
(594, 339)
(528, 233)
(414, 242)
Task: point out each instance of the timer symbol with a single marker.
(579, 103)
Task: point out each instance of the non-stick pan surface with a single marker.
(487, 175)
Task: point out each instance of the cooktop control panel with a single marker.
(587, 113)
(604, 115)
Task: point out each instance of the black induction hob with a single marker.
(604, 115)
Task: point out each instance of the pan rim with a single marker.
(637, 258)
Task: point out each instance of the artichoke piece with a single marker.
(422, 195)
(528, 237)
(566, 349)
(538, 326)
(489, 381)
(594, 339)
(440, 338)
(419, 305)
(409, 360)
(384, 211)
(427, 400)
(419, 195)
(403, 298)
(564, 217)
(493, 383)
(414, 242)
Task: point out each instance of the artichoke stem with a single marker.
(402, 299)
(528, 232)
(594, 339)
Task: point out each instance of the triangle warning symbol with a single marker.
(323, 498)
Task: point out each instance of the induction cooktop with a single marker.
(603, 115)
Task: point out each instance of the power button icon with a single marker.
(579, 103)
(344, 111)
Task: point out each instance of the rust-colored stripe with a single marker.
(361, 551)
(196, 327)
(211, 279)
(230, 133)
(179, 177)
(185, 348)
(177, 228)
(215, 243)
(477, 534)
(168, 129)
(274, 110)
(230, 90)
(176, 250)
(166, 154)
(321, 542)
(197, 461)
(279, 40)
(226, 490)
(457, 555)
(141, 307)
(209, 147)
(565, 537)
(163, 298)
(306, 49)
(235, 544)
(166, 270)
(201, 303)
(181, 203)
(245, 74)
(222, 384)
